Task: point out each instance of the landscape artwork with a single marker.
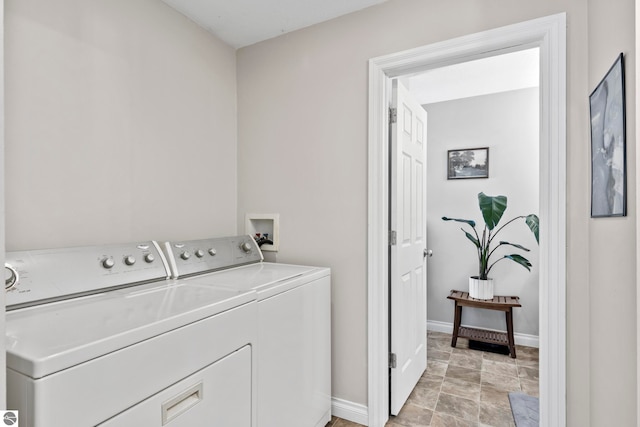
(468, 163)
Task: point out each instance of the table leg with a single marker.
(512, 344)
(456, 324)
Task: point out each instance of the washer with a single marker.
(294, 324)
(99, 336)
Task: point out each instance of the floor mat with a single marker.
(525, 409)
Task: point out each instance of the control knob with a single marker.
(246, 246)
(212, 252)
(10, 277)
(185, 255)
(129, 260)
(108, 262)
(199, 253)
(149, 258)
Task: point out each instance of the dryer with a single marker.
(293, 323)
(99, 336)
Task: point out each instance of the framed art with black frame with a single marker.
(608, 144)
(468, 163)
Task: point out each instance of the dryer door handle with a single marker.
(181, 403)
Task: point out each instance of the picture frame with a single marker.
(468, 163)
(608, 144)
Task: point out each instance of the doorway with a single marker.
(489, 107)
(486, 109)
(549, 35)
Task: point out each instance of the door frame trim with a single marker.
(549, 34)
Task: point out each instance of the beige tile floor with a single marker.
(465, 388)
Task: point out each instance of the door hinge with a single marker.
(392, 237)
(393, 115)
(392, 360)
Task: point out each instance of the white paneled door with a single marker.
(408, 292)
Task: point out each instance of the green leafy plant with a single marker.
(492, 208)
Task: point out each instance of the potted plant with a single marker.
(492, 208)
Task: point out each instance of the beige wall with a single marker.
(103, 96)
(612, 241)
(302, 146)
(116, 110)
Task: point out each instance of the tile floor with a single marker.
(463, 387)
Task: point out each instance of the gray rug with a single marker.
(525, 410)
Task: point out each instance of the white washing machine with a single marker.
(294, 324)
(99, 336)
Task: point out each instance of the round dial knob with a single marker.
(129, 260)
(108, 262)
(246, 246)
(199, 253)
(10, 277)
(185, 255)
(149, 258)
(212, 252)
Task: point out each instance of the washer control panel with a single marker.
(39, 276)
(200, 256)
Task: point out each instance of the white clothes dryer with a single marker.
(293, 324)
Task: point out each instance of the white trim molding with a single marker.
(354, 412)
(549, 34)
(447, 328)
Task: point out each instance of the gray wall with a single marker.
(115, 111)
(507, 123)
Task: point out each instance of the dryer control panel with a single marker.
(200, 256)
(46, 275)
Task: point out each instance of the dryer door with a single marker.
(219, 394)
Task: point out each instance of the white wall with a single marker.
(507, 123)
(116, 110)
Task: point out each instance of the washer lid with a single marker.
(44, 339)
(267, 279)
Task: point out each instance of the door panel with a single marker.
(219, 394)
(407, 262)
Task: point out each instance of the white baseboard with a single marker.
(354, 412)
(447, 328)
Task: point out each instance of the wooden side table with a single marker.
(501, 303)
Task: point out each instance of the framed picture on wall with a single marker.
(468, 163)
(608, 144)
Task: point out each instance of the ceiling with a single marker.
(494, 74)
(242, 23)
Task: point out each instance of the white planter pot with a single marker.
(480, 289)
